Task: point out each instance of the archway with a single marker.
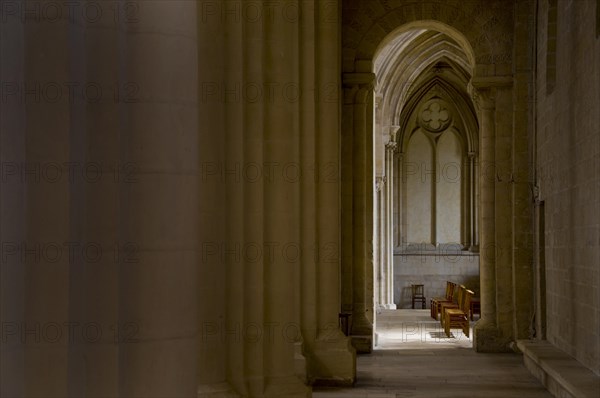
(481, 31)
(425, 153)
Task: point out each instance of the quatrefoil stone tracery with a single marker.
(435, 117)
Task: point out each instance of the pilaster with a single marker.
(357, 204)
(488, 335)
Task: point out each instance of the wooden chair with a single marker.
(418, 295)
(454, 304)
(435, 302)
(459, 317)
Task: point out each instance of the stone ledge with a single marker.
(559, 372)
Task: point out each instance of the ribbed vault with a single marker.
(408, 61)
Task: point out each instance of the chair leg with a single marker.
(447, 327)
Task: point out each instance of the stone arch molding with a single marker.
(485, 28)
(483, 31)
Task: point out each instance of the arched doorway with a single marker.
(480, 31)
(426, 128)
(426, 151)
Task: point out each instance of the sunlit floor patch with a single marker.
(408, 329)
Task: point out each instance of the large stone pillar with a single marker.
(357, 208)
(13, 201)
(47, 224)
(488, 336)
(107, 221)
(330, 355)
(270, 299)
(159, 212)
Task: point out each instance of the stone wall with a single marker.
(433, 270)
(567, 149)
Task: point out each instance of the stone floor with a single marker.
(414, 358)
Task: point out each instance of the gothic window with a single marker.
(434, 183)
(436, 187)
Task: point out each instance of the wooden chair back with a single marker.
(467, 301)
(460, 295)
(450, 287)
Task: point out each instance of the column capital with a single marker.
(362, 80)
(391, 146)
(483, 90)
(357, 87)
(484, 98)
(379, 183)
(394, 132)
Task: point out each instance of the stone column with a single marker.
(358, 89)
(486, 330)
(159, 213)
(47, 133)
(472, 204)
(271, 301)
(487, 333)
(380, 254)
(13, 204)
(108, 202)
(400, 233)
(390, 149)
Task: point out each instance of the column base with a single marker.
(391, 306)
(300, 364)
(363, 344)
(219, 390)
(286, 387)
(333, 362)
(488, 338)
(362, 335)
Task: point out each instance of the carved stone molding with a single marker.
(363, 80)
(435, 116)
(484, 98)
(379, 183)
(483, 90)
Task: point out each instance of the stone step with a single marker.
(559, 372)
